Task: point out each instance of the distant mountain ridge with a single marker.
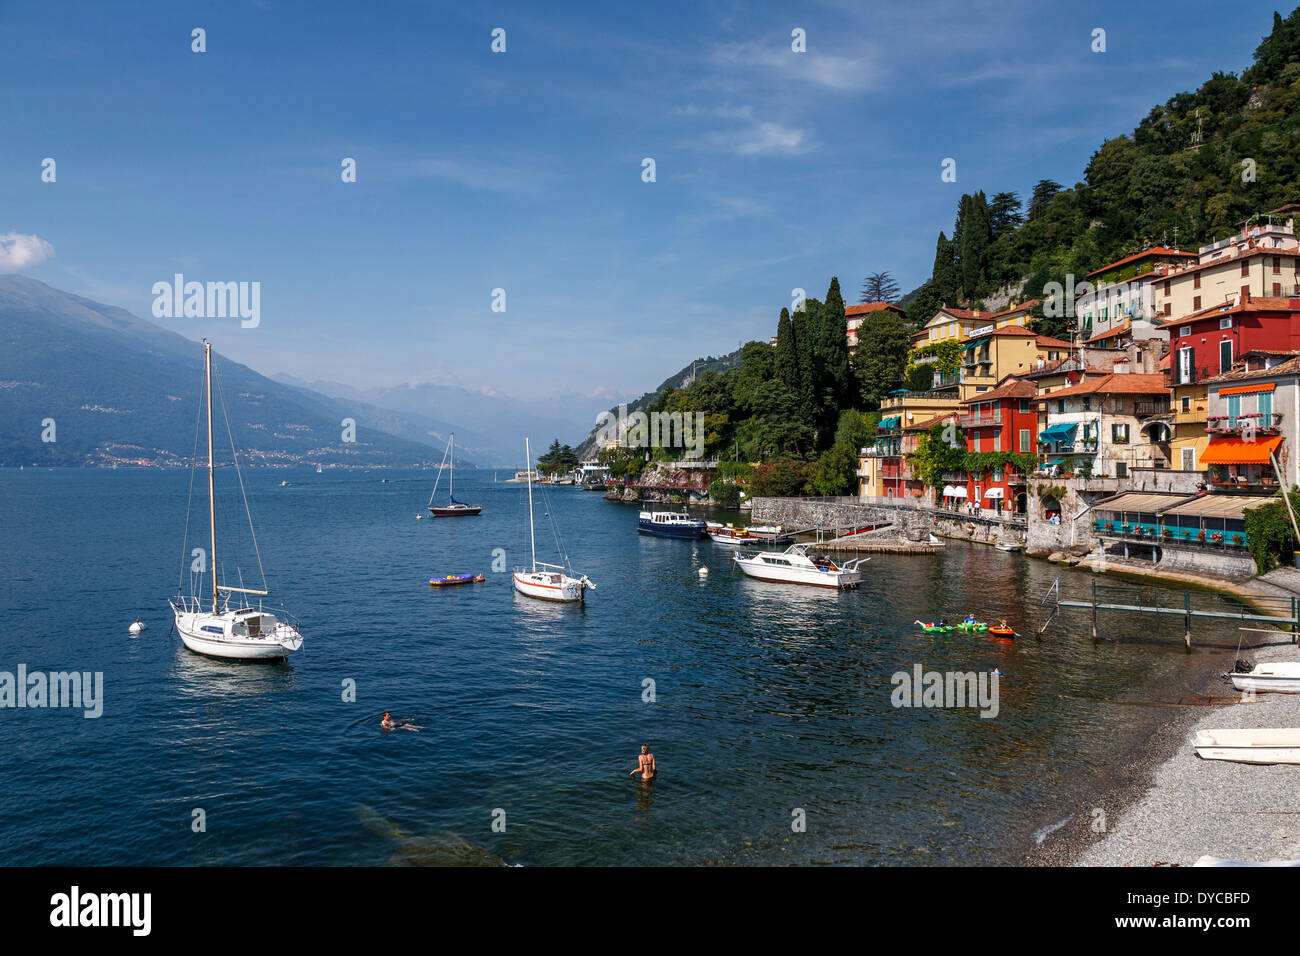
(110, 387)
(680, 379)
(491, 428)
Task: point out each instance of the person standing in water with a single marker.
(645, 765)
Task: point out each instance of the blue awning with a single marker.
(1059, 432)
(890, 422)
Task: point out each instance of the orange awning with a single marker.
(1243, 389)
(1234, 451)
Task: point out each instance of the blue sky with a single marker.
(522, 170)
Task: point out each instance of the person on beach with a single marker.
(645, 765)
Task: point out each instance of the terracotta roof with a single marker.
(1144, 254)
(1109, 333)
(931, 422)
(867, 307)
(1252, 304)
(1010, 388)
(1247, 252)
(1116, 383)
(1047, 342)
(1289, 367)
(1008, 330)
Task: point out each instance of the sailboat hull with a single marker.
(456, 511)
(550, 587)
(213, 636)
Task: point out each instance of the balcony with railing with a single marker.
(1242, 479)
(1261, 423)
(1145, 408)
(981, 419)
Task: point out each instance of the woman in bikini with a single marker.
(645, 764)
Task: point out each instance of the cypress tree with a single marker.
(837, 383)
(976, 237)
(787, 354)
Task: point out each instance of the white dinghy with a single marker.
(1281, 677)
(1262, 745)
(236, 631)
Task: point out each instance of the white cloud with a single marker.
(856, 72)
(18, 251)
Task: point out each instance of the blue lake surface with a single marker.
(768, 699)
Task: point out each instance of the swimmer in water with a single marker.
(388, 723)
(645, 765)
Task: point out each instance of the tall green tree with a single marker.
(879, 287)
(881, 356)
(976, 237)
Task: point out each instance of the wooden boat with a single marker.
(1271, 745)
(453, 508)
(1282, 677)
(798, 564)
(447, 580)
(735, 537)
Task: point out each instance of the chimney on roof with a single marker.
(976, 313)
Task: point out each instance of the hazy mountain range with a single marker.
(110, 387)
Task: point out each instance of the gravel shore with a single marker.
(1195, 807)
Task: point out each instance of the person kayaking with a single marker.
(645, 765)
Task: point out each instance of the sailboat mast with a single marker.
(528, 473)
(212, 497)
(451, 479)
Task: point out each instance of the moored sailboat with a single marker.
(453, 508)
(547, 582)
(240, 632)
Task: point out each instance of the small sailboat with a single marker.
(236, 630)
(547, 582)
(453, 508)
(318, 469)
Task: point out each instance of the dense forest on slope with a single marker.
(1194, 169)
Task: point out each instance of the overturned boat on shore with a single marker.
(1264, 745)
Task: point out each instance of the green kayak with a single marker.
(932, 628)
(972, 626)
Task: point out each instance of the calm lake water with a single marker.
(769, 698)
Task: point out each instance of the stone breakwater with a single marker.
(908, 523)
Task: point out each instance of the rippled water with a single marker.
(769, 698)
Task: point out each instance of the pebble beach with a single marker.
(1195, 807)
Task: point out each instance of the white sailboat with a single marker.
(238, 630)
(547, 582)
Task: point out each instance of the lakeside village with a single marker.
(1157, 438)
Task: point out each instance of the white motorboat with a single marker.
(1282, 677)
(799, 564)
(1262, 745)
(734, 537)
(240, 631)
(1008, 546)
(547, 582)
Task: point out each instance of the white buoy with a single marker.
(137, 627)
(419, 517)
(704, 572)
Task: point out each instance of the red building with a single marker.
(1208, 342)
(1002, 420)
